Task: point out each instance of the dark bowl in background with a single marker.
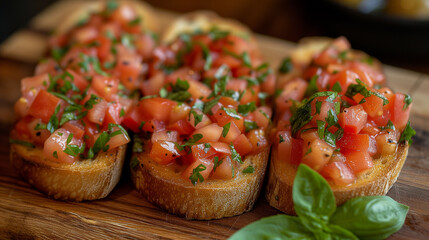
(381, 35)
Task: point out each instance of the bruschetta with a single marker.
(68, 141)
(201, 146)
(336, 115)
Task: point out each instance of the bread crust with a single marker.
(82, 180)
(377, 181)
(163, 186)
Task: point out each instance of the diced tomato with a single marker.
(98, 111)
(355, 142)
(251, 95)
(105, 86)
(262, 116)
(128, 68)
(400, 115)
(309, 136)
(156, 108)
(228, 60)
(56, 144)
(124, 14)
(164, 152)
(339, 173)
(207, 163)
(223, 170)
(38, 136)
(257, 139)
(76, 128)
(297, 151)
(46, 66)
(132, 120)
(78, 80)
(242, 145)
(211, 133)
(353, 119)
(284, 147)
(381, 120)
(165, 135)
(228, 103)
(370, 129)
(22, 125)
(113, 114)
(387, 142)
(44, 106)
(294, 90)
(153, 84)
(317, 154)
(182, 127)
(269, 85)
(202, 151)
(198, 90)
(37, 82)
(21, 107)
(358, 162)
(324, 109)
(145, 45)
(232, 134)
(344, 78)
(237, 85)
(196, 113)
(223, 118)
(153, 126)
(119, 139)
(373, 105)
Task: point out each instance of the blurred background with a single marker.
(395, 31)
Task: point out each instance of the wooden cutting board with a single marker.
(27, 214)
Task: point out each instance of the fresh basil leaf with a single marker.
(407, 134)
(371, 217)
(274, 227)
(339, 233)
(321, 128)
(286, 66)
(313, 199)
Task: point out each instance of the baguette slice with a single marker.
(213, 199)
(86, 179)
(83, 180)
(163, 186)
(377, 181)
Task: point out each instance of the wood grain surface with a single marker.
(27, 214)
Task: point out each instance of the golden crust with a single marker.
(377, 181)
(212, 199)
(83, 180)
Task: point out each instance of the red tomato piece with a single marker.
(232, 134)
(355, 142)
(297, 151)
(76, 128)
(207, 163)
(257, 139)
(242, 145)
(339, 173)
(164, 152)
(358, 162)
(98, 111)
(44, 106)
(182, 127)
(317, 154)
(400, 115)
(165, 135)
(223, 170)
(284, 148)
(156, 108)
(353, 119)
(113, 114)
(211, 133)
(56, 144)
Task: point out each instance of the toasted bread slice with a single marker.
(163, 186)
(142, 9)
(376, 181)
(212, 199)
(83, 180)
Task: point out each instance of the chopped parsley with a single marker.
(361, 88)
(196, 174)
(407, 134)
(250, 125)
(217, 162)
(226, 129)
(249, 169)
(234, 154)
(286, 66)
(21, 142)
(407, 101)
(245, 109)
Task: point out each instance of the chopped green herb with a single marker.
(245, 109)
(308, 151)
(135, 21)
(312, 86)
(196, 174)
(55, 154)
(407, 134)
(231, 112)
(318, 106)
(234, 155)
(321, 128)
(21, 142)
(286, 66)
(250, 125)
(207, 147)
(134, 162)
(249, 169)
(138, 144)
(407, 101)
(217, 162)
(53, 121)
(281, 139)
(389, 125)
(361, 88)
(226, 129)
(337, 88)
(197, 117)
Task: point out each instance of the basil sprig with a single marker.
(369, 217)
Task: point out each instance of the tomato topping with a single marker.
(353, 119)
(44, 106)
